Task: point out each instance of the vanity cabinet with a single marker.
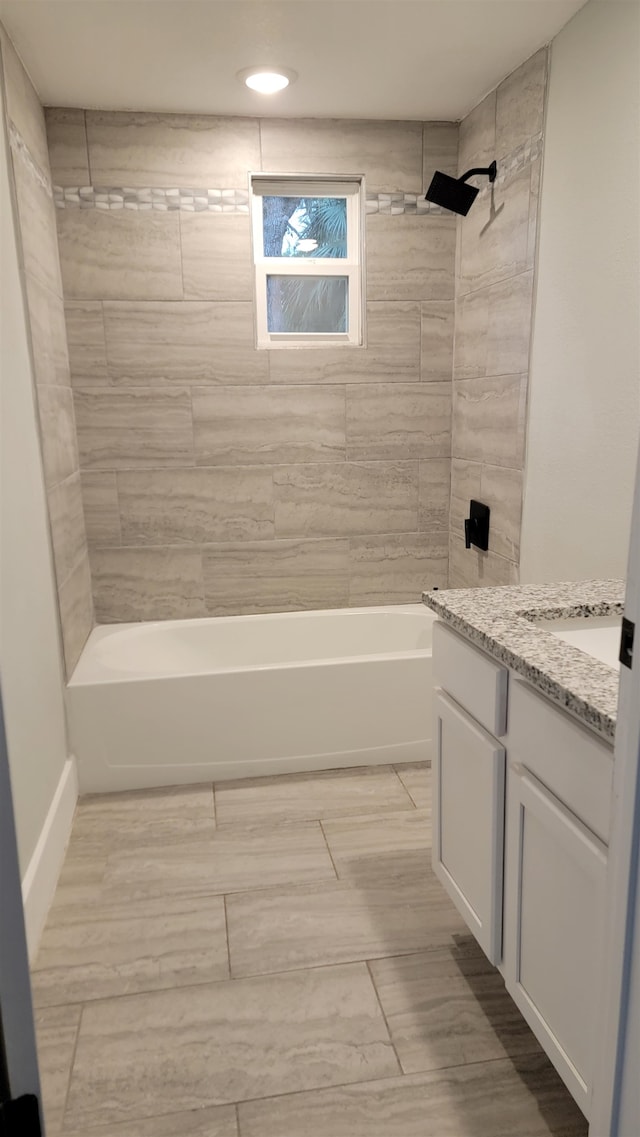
(468, 830)
(522, 796)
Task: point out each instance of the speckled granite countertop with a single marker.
(499, 621)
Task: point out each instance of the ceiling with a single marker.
(385, 59)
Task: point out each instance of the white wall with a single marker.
(584, 406)
(30, 656)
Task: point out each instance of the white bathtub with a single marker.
(184, 701)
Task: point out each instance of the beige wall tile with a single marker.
(133, 429)
(216, 256)
(36, 213)
(520, 104)
(101, 513)
(396, 568)
(281, 929)
(250, 425)
(493, 329)
(275, 576)
(534, 204)
(48, 338)
(219, 1121)
(86, 342)
(471, 568)
(477, 138)
(502, 492)
(498, 487)
(119, 255)
(76, 612)
(353, 792)
(489, 419)
(478, 1021)
(57, 1031)
(494, 237)
(158, 343)
(67, 141)
(466, 483)
(398, 421)
(138, 149)
(498, 1098)
(392, 354)
(23, 104)
(67, 526)
(103, 951)
(146, 584)
(58, 432)
(437, 340)
(346, 499)
(433, 495)
(410, 257)
(319, 1028)
(193, 506)
(439, 150)
(388, 153)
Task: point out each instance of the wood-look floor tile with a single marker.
(416, 778)
(220, 1121)
(123, 948)
(488, 1099)
(196, 1047)
(449, 1008)
(124, 821)
(282, 929)
(380, 849)
(56, 1032)
(298, 797)
(233, 860)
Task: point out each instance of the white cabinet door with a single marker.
(554, 917)
(468, 821)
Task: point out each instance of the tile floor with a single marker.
(274, 958)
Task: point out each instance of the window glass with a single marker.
(307, 304)
(304, 226)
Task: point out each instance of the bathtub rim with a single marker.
(105, 631)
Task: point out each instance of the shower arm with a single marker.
(490, 171)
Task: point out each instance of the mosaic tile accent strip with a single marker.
(200, 200)
(20, 148)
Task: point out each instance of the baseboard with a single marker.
(41, 877)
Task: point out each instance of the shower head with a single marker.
(454, 193)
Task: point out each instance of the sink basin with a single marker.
(599, 636)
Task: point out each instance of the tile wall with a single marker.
(54, 396)
(218, 479)
(495, 256)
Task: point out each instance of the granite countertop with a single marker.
(498, 620)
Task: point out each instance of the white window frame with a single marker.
(352, 266)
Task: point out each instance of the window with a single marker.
(307, 250)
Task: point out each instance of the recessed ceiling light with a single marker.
(267, 80)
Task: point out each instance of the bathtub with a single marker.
(185, 701)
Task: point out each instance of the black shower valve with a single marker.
(476, 526)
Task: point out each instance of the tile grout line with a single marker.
(326, 841)
(237, 1111)
(73, 1060)
(215, 811)
(404, 788)
(96, 1129)
(357, 962)
(386, 1021)
(226, 932)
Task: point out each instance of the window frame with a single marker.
(350, 186)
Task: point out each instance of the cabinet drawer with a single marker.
(565, 756)
(472, 678)
(468, 821)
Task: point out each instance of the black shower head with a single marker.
(454, 193)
